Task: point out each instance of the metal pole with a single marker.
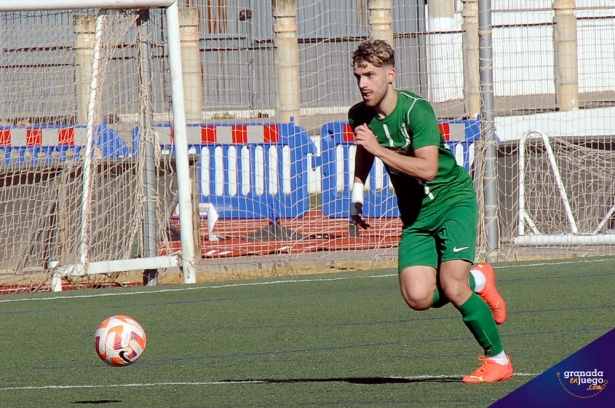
(150, 176)
(490, 181)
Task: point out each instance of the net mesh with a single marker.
(51, 62)
(585, 170)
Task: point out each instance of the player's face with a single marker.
(373, 82)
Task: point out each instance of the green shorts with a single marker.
(440, 237)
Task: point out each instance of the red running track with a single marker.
(318, 233)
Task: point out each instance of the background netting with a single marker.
(267, 88)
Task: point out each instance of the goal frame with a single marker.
(186, 261)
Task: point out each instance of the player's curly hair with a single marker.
(375, 52)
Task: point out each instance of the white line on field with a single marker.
(576, 261)
(276, 282)
(182, 289)
(229, 382)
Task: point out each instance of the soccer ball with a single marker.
(119, 341)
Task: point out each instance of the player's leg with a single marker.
(417, 250)
(418, 285)
(483, 277)
(456, 239)
(417, 261)
(475, 312)
(484, 285)
(478, 319)
(476, 281)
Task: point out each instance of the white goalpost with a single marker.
(117, 175)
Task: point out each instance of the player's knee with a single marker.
(456, 290)
(418, 285)
(418, 301)
(418, 306)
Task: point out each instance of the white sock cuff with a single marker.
(479, 279)
(501, 358)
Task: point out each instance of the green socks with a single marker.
(439, 299)
(478, 318)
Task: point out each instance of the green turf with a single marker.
(344, 340)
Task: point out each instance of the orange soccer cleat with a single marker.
(489, 371)
(491, 295)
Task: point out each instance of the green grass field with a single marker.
(343, 340)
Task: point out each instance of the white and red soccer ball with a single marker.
(119, 341)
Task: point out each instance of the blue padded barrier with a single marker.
(46, 144)
(248, 170)
(337, 164)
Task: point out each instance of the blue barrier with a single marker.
(249, 170)
(337, 164)
(46, 144)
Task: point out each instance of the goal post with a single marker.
(103, 233)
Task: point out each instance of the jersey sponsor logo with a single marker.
(455, 249)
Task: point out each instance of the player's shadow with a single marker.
(351, 380)
(98, 402)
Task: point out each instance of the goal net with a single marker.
(79, 189)
(88, 132)
(566, 191)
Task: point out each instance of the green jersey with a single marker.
(411, 126)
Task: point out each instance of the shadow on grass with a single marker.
(351, 380)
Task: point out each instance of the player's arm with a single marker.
(422, 125)
(423, 165)
(363, 163)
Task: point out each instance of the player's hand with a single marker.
(356, 212)
(363, 136)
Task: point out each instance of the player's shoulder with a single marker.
(410, 102)
(359, 112)
(409, 99)
(357, 109)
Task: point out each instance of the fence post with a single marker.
(566, 57)
(487, 133)
(287, 59)
(84, 26)
(471, 76)
(148, 148)
(380, 20)
(191, 63)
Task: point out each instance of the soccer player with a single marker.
(436, 201)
